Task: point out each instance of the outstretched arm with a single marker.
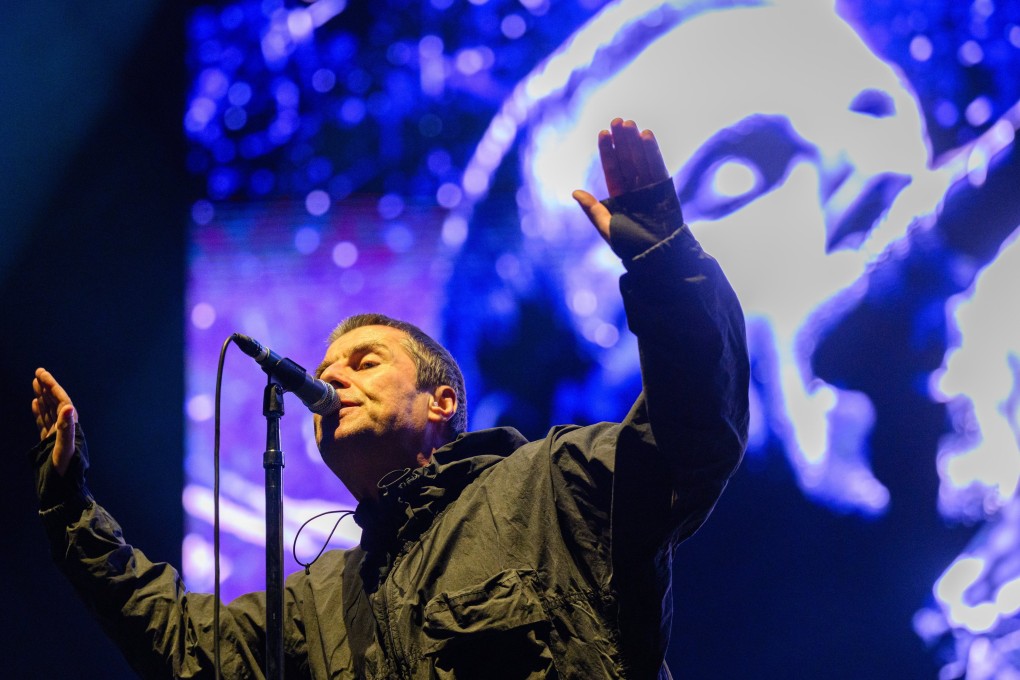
(672, 455)
(163, 630)
(693, 411)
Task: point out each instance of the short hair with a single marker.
(434, 364)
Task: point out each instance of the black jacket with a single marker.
(501, 558)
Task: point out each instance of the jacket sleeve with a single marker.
(163, 630)
(686, 434)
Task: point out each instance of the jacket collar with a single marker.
(410, 499)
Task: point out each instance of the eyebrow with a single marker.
(366, 347)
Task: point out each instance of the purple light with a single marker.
(345, 254)
(513, 26)
(317, 202)
(978, 111)
(920, 48)
(970, 53)
(448, 195)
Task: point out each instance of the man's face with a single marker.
(383, 416)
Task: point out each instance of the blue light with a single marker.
(439, 162)
(202, 212)
(234, 118)
(390, 206)
(222, 183)
(323, 80)
(399, 238)
(239, 93)
(352, 111)
(306, 239)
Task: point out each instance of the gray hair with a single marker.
(434, 364)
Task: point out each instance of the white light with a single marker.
(299, 23)
(583, 302)
(920, 48)
(455, 231)
(978, 111)
(606, 335)
(200, 408)
(970, 53)
(345, 254)
(203, 315)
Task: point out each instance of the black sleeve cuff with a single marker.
(643, 218)
(54, 489)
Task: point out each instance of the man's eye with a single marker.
(737, 165)
(368, 363)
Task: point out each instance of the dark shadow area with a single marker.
(95, 294)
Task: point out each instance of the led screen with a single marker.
(418, 159)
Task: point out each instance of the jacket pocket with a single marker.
(497, 628)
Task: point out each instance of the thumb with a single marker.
(597, 213)
(63, 447)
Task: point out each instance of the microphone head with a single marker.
(328, 403)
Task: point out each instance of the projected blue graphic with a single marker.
(420, 163)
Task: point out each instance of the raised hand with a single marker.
(630, 160)
(54, 412)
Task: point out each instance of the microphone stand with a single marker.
(272, 461)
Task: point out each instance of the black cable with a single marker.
(216, 512)
(293, 549)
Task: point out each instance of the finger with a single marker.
(610, 164)
(40, 421)
(653, 158)
(44, 415)
(596, 212)
(631, 154)
(41, 384)
(54, 387)
(63, 448)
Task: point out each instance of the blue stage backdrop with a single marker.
(847, 164)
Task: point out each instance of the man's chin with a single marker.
(343, 442)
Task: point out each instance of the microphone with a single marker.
(318, 395)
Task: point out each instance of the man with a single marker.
(482, 555)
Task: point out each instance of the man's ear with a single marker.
(443, 404)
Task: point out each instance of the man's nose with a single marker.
(856, 205)
(336, 375)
